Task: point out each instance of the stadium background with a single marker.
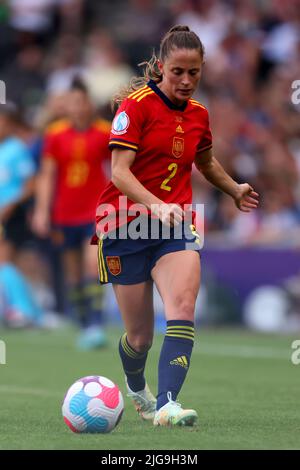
(251, 263)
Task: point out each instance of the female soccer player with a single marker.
(159, 131)
(70, 180)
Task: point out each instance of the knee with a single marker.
(140, 344)
(184, 306)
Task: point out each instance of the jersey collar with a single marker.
(166, 100)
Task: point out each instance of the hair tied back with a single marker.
(179, 28)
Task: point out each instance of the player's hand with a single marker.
(246, 198)
(170, 214)
(40, 224)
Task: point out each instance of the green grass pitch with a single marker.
(243, 385)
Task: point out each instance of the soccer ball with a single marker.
(93, 404)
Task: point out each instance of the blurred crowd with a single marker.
(252, 59)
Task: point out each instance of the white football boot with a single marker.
(172, 414)
(144, 402)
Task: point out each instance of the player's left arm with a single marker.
(244, 196)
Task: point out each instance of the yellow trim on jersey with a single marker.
(144, 95)
(195, 103)
(137, 92)
(102, 125)
(57, 126)
(198, 105)
(123, 144)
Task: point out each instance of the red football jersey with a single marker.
(166, 139)
(80, 177)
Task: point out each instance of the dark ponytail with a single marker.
(178, 27)
(178, 37)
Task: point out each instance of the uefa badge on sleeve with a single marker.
(120, 124)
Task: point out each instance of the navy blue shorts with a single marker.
(71, 237)
(128, 261)
(16, 228)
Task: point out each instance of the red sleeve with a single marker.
(127, 126)
(105, 151)
(49, 147)
(205, 142)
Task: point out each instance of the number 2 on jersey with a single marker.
(173, 169)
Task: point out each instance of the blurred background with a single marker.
(251, 263)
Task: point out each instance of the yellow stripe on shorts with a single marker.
(101, 263)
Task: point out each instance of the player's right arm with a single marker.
(126, 182)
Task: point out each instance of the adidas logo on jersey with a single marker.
(180, 361)
(179, 129)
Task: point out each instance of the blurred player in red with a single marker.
(71, 178)
(158, 133)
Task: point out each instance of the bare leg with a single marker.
(136, 307)
(177, 278)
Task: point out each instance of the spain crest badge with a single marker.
(178, 147)
(114, 264)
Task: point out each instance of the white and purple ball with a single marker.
(93, 404)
